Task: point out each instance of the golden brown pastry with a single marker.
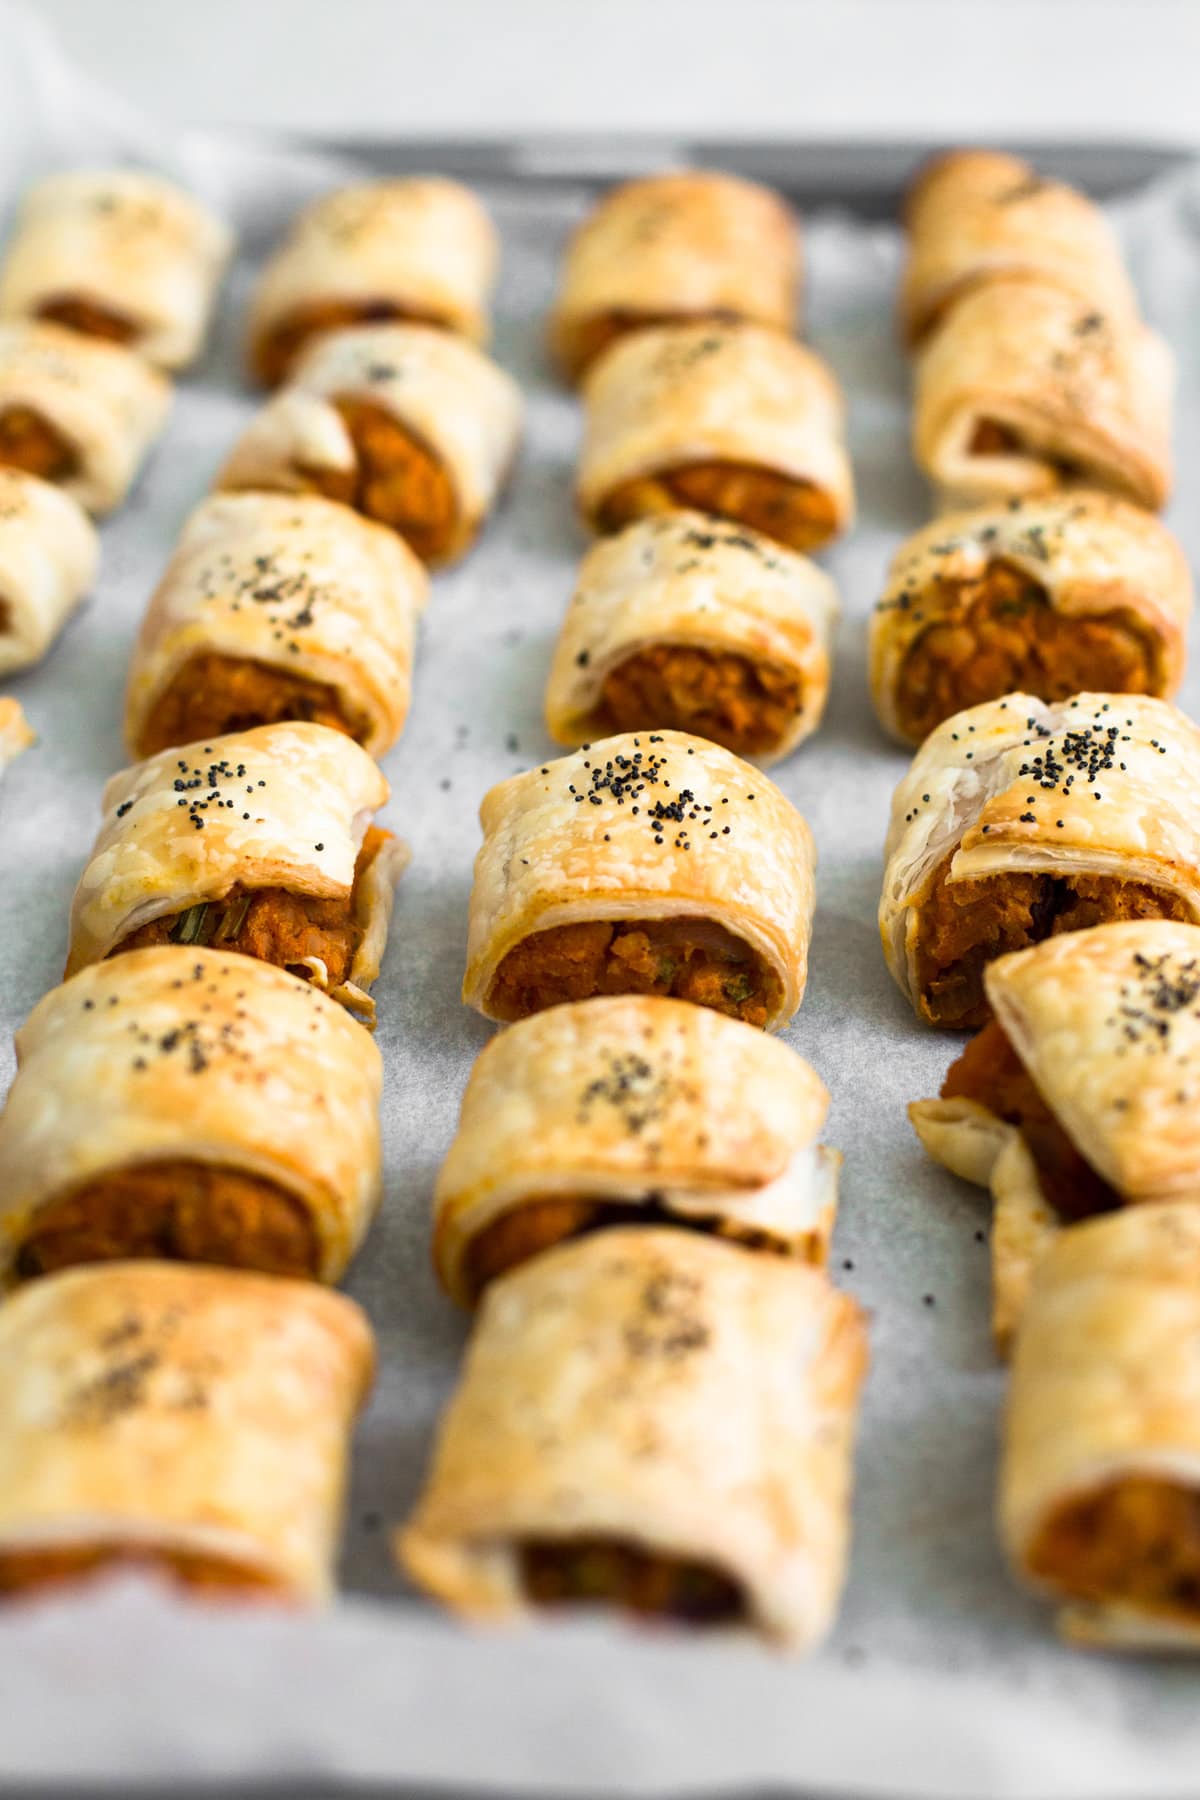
(651, 863)
(420, 249)
(695, 244)
(1018, 821)
(15, 734)
(119, 255)
(1077, 592)
(192, 1422)
(1024, 389)
(49, 554)
(407, 424)
(1080, 1095)
(973, 215)
(274, 607)
(76, 411)
(734, 420)
(653, 1421)
(632, 1110)
(260, 842)
(688, 623)
(182, 1103)
(1100, 1485)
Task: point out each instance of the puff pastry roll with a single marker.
(49, 553)
(421, 249)
(15, 734)
(120, 255)
(1077, 1097)
(1019, 821)
(259, 842)
(77, 411)
(657, 864)
(734, 420)
(275, 607)
(692, 245)
(406, 424)
(653, 1421)
(1025, 389)
(1075, 593)
(632, 1110)
(974, 215)
(186, 1104)
(685, 622)
(192, 1422)
(1100, 1479)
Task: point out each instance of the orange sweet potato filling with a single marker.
(1001, 636)
(990, 1072)
(579, 1571)
(212, 694)
(689, 959)
(30, 442)
(794, 513)
(396, 480)
(89, 318)
(1135, 1540)
(717, 694)
(271, 923)
(964, 925)
(276, 351)
(593, 337)
(23, 1571)
(179, 1211)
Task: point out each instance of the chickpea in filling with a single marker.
(688, 959)
(396, 480)
(213, 694)
(89, 318)
(56, 1565)
(30, 442)
(1001, 635)
(1135, 1540)
(792, 512)
(278, 349)
(717, 694)
(573, 1572)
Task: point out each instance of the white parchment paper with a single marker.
(942, 1679)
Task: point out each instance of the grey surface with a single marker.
(942, 1678)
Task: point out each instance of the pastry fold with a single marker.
(1100, 1479)
(194, 1422)
(631, 1110)
(421, 248)
(1024, 389)
(648, 863)
(651, 1420)
(49, 554)
(15, 732)
(973, 215)
(1018, 821)
(684, 622)
(407, 424)
(258, 842)
(277, 607)
(119, 255)
(182, 1103)
(695, 244)
(1079, 592)
(734, 420)
(80, 413)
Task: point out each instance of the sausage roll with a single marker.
(685, 622)
(974, 215)
(193, 1422)
(730, 419)
(120, 255)
(408, 425)
(259, 842)
(1018, 821)
(15, 733)
(49, 553)
(1080, 1095)
(653, 1421)
(274, 607)
(1024, 389)
(177, 1102)
(632, 1110)
(77, 411)
(1100, 1480)
(421, 249)
(641, 865)
(692, 245)
(1075, 593)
